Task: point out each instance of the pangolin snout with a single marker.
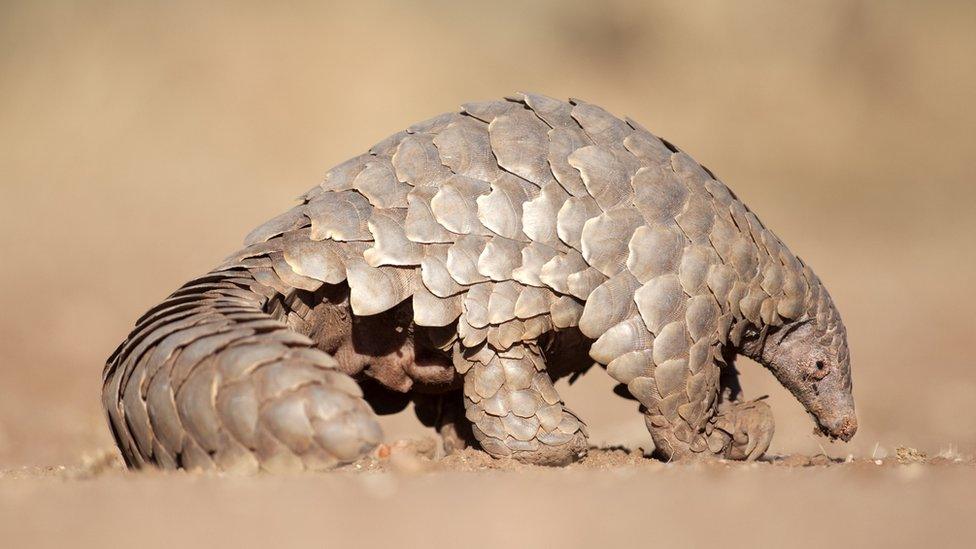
(846, 429)
(843, 427)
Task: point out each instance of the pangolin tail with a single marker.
(213, 378)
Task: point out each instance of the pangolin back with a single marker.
(518, 216)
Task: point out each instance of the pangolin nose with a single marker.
(846, 428)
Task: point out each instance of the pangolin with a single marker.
(465, 264)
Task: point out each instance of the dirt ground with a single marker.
(139, 142)
(612, 498)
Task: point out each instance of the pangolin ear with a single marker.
(789, 329)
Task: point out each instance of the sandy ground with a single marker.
(612, 498)
(140, 141)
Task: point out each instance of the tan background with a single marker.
(140, 141)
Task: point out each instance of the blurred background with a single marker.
(139, 142)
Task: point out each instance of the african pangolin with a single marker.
(464, 264)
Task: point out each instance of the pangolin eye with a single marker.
(819, 370)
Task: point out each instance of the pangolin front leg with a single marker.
(516, 412)
(742, 431)
(729, 428)
(678, 398)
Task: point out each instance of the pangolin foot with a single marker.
(741, 432)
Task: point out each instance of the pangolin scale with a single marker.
(464, 264)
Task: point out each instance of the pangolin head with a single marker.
(810, 357)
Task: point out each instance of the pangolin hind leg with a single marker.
(445, 414)
(515, 411)
(209, 380)
(395, 361)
